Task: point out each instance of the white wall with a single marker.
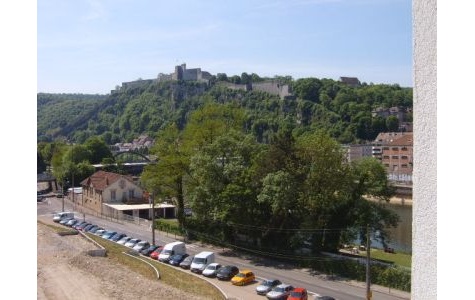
(424, 224)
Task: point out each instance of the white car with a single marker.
(281, 291)
(132, 242)
(141, 245)
(211, 270)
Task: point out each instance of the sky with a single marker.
(91, 46)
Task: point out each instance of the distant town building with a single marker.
(143, 141)
(350, 81)
(356, 152)
(395, 151)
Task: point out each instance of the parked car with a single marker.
(282, 291)
(116, 237)
(131, 243)
(156, 253)
(108, 234)
(267, 285)
(124, 240)
(82, 226)
(176, 259)
(141, 245)
(65, 220)
(211, 270)
(227, 272)
(186, 263)
(79, 223)
(61, 215)
(87, 227)
(243, 277)
(92, 229)
(149, 250)
(298, 293)
(72, 222)
(99, 232)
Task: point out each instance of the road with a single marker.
(316, 284)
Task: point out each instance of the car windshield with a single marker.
(199, 260)
(188, 259)
(267, 282)
(242, 275)
(279, 289)
(295, 294)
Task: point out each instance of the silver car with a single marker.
(267, 285)
(281, 291)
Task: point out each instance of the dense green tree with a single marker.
(246, 78)
(98, 149)
(165, 178)
(221, 77)
(392, 124)
(40, 163)
(308, 89)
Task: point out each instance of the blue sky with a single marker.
(90, 46)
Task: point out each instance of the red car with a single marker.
(298, 293)
(156, 252)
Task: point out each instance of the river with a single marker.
(401, 236)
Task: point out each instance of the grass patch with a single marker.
(168, 274)
(399, 259)
(60, 229)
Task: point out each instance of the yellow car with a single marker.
(243, 277)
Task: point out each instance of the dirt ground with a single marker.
(65, 271)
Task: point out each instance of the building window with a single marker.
(403, 166)
(385, 148)
(113, 196)
(395, 157)
(404, 157)
(404, 148)
(131, 194)
(386, 157)
(395, 149)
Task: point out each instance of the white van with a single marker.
(63, 215)
(201, 260)
(171, 249)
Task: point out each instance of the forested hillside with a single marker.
(344, 112)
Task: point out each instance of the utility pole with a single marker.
(62, 193)
(368, 265)
(152, 201)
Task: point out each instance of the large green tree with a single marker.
(98, 149)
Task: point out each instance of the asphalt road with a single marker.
(316, 285)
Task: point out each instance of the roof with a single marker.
(386, 138)
(137, 206)
(102, 179)
(405, 140)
